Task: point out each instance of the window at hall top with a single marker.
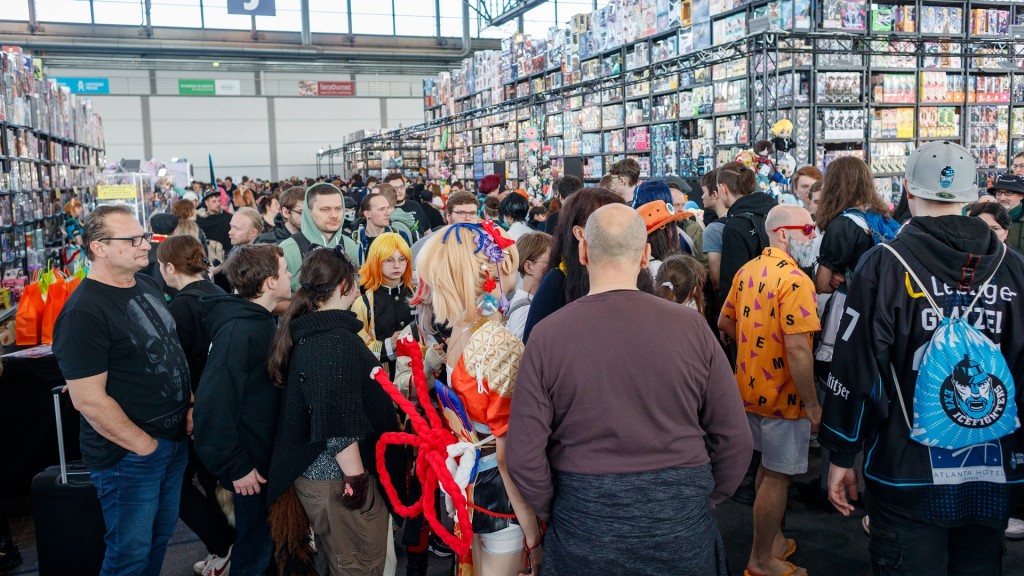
(60, 11)
(415, 18)
(372, 17)
(124, 12)
(328, 16)
(176, 13)
(17, 11)
(288, 18)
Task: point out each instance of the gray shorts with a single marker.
(783, 443)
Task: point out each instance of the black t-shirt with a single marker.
(842, 245)
(129, 334)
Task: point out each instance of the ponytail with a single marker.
(738, 177)
(281, 349)
(323, 271)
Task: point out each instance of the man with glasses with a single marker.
(770, 313)
(402, 187)
(462, 208)
(625, 178)
(1018, 164)
(116, 345)
(1009, 191)
(289, 221)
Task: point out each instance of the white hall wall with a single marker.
(268, 131)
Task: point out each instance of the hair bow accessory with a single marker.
(502, 241)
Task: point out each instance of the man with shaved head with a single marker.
(771, 315)
(626, 415)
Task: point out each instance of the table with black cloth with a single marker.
(28, 429)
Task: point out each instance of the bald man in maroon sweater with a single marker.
(626, 420)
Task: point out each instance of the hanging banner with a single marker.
(197, 87)
(86, 85)
(228, 87)
(193, 87)
(330, 88)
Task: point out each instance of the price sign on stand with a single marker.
(252, 7)
(116, 192)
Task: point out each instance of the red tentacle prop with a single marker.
(432, 441)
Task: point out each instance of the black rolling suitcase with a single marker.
(68, 516)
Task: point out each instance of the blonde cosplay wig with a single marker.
(458, 260)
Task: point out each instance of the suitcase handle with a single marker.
(57, 390)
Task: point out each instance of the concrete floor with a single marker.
(827, 542)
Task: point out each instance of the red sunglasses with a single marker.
(808, 229)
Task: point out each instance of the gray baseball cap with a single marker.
(942, 171)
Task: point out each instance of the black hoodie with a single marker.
(743, 237)
(886, 325)
(236, 408)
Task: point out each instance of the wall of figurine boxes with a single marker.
(901, 72)
(51, 149)
(378, 158)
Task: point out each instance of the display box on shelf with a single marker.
(847, 15)
(840, 124)
(939, 19)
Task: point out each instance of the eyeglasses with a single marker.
(135, 240)
(808, 229)
(396, 261)
(1005, 193)
(464, 213)
(1017, 165)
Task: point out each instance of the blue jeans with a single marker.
(253, 545)
(902, 546)
(140, 497)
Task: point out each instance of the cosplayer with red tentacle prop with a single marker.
(469, 269)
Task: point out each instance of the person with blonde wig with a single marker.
(470, 268)
(383, 307)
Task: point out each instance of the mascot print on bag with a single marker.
(972, 397)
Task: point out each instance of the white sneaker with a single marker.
(1015, 529)
(217, 566)
(200, 566)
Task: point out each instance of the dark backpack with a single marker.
(304, 244)
(757, 223)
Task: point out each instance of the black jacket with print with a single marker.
(884, 330)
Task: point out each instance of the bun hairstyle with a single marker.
(738, 177)
(322, 272)
(185, 253)
(680, 279)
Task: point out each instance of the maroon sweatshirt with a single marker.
(624, 382)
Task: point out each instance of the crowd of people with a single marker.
(614, 361)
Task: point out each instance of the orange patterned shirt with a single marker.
(769, 299)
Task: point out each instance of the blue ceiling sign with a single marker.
(252, 7)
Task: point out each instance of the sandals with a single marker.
(791, 569)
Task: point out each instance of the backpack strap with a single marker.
(762, 234)
(858, 217)
(369, 314)
(519, 304)
(303, 243)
